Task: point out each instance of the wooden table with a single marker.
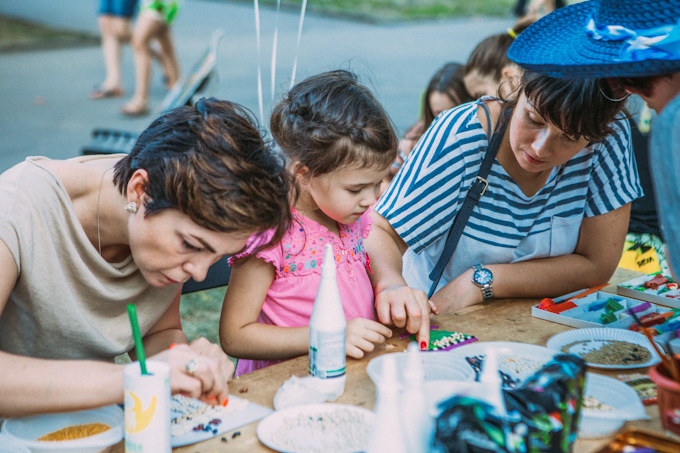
(499, 320)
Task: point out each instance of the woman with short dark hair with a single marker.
(632, 45)
(81, 239)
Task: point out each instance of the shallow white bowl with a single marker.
(518, 360)
(11, 445)
(437, 366)
(28, 429)
(622, 397)
(593, 334)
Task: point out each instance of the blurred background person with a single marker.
(446, 90)
(489, 71)
(115, 24)
(153, 23)
(535, 6)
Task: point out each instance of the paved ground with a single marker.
(44, 105)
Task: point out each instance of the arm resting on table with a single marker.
(593, 262)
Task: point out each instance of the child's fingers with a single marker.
(354, 352)
(363, 344)
(373, 336)
(433, 308)
(380, 329)
(421, 320)
(383, 308)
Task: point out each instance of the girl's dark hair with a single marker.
(330, 120)
(578, 107)
(211, 163)
(449, 81)
(491, 55)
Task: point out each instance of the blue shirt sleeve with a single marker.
(427, 193)
(614, 178)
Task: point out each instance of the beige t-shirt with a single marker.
(68, 302)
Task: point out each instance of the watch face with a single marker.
(482, 276)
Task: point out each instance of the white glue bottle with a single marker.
(388, 431)
(327, 331)
(419, 424)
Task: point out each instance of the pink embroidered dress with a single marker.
(298, 259)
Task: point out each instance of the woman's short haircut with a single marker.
(449, 81)
(211, 163)
(329, 121)
(579, 107)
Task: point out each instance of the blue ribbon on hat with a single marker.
(660, 43)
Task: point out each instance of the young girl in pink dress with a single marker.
(340, 144)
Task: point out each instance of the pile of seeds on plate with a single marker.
(341, 430)
(612, 352)
(76, 432)
(594, 404)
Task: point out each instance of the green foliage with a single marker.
(386, 10)
(200, 314)
(18, 35)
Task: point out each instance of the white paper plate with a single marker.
(594, 334)
(229, 421)
(517, 360)
(440, 366)
(28, 429)
(295, 429)
(9, 444)
(622, 397)
(612, 392)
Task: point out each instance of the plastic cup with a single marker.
(147, 408)
(668, 395)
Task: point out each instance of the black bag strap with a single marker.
(475, 192)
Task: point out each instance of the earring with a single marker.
(131, 207)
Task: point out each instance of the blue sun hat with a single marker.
(603, 38)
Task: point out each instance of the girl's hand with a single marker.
(208, 382)
(362, 334)
(458, 294)
(406, 307)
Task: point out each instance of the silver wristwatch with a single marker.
(483, 278)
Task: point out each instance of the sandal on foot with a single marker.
(136, 107)
(103, 93)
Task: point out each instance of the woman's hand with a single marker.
(407, 307)
(363, 334)
(213, 370)
(458, 294)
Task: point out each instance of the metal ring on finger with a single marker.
(192, 366)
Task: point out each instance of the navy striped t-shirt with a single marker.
(506, 225)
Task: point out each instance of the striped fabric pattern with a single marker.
(425, 196)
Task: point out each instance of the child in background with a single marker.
(446, 90)
(489, 71)
(340, 144)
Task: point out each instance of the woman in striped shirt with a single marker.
(552, 220)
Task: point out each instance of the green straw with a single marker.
(139, 347)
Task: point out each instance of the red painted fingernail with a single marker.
(225, 402)
(172, 345)
(423, 346)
